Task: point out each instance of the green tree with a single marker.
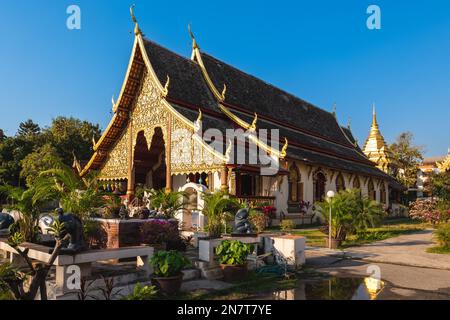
(44, 158)
(440, 185)
(28, 128)
(72, 136)
(407, 158)
(12, 151)
(350, 213)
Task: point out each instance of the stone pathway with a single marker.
(407, 250)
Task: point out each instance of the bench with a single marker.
(83, 260)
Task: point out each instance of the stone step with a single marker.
(191, 274)
(212, 273)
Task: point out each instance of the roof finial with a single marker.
(133, 17)
(349, 123)
(228, 150)
(194, 42)
(334, 109)
(253, 125)
(113, 102)
(224, 91)
(165, 91)
(284, 149)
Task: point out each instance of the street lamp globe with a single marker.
(330, 194)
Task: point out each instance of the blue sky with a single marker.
(318, 50)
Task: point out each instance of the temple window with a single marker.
(319, 186)
(340, 183)
(295, 184)
(356, 183)
(383, 195)
(371, 190)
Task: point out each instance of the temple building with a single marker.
(376, 149)
(429, 166)
(166, 98)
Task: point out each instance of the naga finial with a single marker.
(133, 17)
(194, 42)
(334, 110)
(224, 91)
(284, 149)
(253, 125)
(349, 122)
(113, 102)
(228, 151)
(200, 115)
(165, 91)
(93, 142)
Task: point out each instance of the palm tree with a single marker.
(80, 196)
(215, 206)
(29, 208)
(168, 203)
(350, 213)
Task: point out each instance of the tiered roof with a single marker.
(314, 135)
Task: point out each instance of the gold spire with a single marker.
(374, 117)
(375, 147)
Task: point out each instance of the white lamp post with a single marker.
(330, 196)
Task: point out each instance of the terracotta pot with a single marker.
(234, 273)
(169, 285)
(335, 243)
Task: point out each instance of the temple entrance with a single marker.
(149, 162)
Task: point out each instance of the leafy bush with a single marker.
(141, 292)
(159, 231)
(258, 220)
(95, 234)
(442, 235)
(168, 263)
(287, 224)
(216, 206)
(112, 206)
(373, 236)
(425, 210)
(30, 208)
(168, 202)
(269, 211)
(233, 252)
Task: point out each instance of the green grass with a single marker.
(439, 250)
(389, 229)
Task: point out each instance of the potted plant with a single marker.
(270, 212)
(167, 270)
(232, 257)
(217, 205)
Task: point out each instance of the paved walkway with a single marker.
(408, 250)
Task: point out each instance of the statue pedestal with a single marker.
(244, 235)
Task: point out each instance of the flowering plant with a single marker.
(425, 210)
(270, 212)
